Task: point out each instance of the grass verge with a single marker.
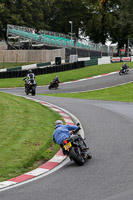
(70, 75)
(11, 65)
(117, 93)
(26, 129)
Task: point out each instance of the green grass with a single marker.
(66, 76)
(118, 93)
(26, 129)
(11, 65)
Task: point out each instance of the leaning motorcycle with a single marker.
(30, 86)
(53, 85)
(76, 149)
(123, 71)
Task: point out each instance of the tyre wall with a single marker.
(43, 70)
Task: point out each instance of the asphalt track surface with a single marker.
(108, 130)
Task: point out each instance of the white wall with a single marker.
(84, 59)
(104, 60)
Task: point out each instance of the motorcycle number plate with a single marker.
(67, 146)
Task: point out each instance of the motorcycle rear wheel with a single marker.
(76, 157)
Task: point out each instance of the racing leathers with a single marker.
(61, 132)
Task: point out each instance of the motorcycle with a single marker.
(75, 148)
(123, 71)
(53, 85)
(30, 86)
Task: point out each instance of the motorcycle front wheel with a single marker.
(56, 86)
(49, 87)
(33, 90)
(76, 157)
(120, 73)
(126, 71)
(26, 91)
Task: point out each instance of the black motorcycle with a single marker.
(30, 86)
(53, 85)
(123, 71)
(76, 149)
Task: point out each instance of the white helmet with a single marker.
(58, 122)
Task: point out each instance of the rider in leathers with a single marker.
(28, 77)
(124, 66)
(61, 131)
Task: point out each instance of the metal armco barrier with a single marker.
(45, 70)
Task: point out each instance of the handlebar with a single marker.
(76, 130)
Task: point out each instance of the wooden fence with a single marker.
(33, 56)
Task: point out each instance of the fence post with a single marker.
(16, 57)
(101, 51)
(3, 61)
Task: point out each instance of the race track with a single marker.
(108, 130)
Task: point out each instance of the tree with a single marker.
(98, 19)
(109, 19)
(23, 13)
(7, 14)
(62, 12)
(122, 29)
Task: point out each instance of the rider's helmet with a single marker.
(30, 71)
(58, 122)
